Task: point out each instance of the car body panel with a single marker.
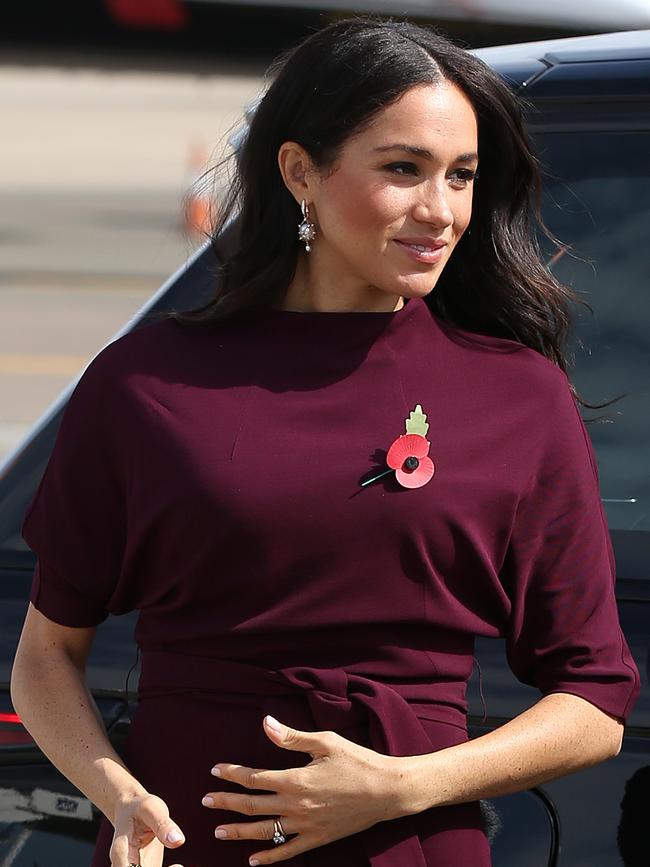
(623, 45)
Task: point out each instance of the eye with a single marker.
(402, 168)
(462, 177)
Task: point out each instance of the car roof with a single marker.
(624, 45)
(607, 66)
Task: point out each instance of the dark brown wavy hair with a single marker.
(332, 86)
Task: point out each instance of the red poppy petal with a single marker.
(406, 446)
(421, 446)
(417, 477)
(395, 457)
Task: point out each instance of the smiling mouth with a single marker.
(421, 248)
(428, 253)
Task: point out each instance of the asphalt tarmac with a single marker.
(95, 161)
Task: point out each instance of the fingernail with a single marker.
(215, 772)
(275, 726)
(253, 862)
(221, 833)
(174, 836)
(208, 801)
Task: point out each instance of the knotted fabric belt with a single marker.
(337, 699)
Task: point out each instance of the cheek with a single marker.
(353, 206)
(463, 213)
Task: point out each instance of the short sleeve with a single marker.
(76, 522)
(564, 633)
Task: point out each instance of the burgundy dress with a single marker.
(213, 482)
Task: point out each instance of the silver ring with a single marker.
(278, 832)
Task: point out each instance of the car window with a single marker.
(597, 202)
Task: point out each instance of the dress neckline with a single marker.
(342, 320)
(388, 314)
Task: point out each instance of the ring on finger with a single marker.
(278, 832)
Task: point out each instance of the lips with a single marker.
(422, 245)
(425, 250)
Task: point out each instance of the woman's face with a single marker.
(398, 198)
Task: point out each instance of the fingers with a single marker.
(250, 805)
(283, 852)
(123, 851)
(250, 778)
(265, 831)
(153, 813)
(315, 743)
(252, 830)
(142, 829)
(321, 743)
(152, 854)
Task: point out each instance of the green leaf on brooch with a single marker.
(417, 423)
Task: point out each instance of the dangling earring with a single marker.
(306, 230)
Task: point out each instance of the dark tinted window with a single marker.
(597, 201)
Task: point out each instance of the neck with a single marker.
(307, 293)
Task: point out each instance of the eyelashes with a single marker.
(405, 169)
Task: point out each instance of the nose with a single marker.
(432, 206)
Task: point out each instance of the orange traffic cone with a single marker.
(197, 202)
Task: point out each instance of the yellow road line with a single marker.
(41, 365)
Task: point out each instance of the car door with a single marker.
(591, 128)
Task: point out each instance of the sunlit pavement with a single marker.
(93, 169)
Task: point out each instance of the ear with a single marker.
(297, 170)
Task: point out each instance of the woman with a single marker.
(321, 487)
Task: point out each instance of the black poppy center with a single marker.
(411, 463)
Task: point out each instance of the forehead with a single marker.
(431, 116)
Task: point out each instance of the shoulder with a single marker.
(506, 368)
(154, 350)
(148, 341)
(105, 387)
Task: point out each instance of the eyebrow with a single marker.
(423, 152)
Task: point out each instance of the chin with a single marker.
(421, 290)
(417, 284)
(410, 284)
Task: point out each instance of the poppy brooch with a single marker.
(408, 456)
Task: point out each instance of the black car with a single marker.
(588, 110)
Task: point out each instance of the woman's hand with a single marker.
(142, 830)
(345, 789)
